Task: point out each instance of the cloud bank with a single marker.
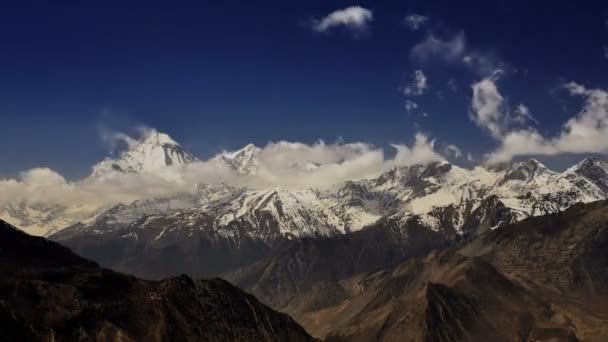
(291, 165)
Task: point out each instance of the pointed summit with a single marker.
(152, 152)
(243, 161)
(154, 137)
(525, 171)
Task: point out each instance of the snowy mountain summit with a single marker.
(154, 151)
(244, 161)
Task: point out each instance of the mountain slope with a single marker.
(49, 293)
(544, 278)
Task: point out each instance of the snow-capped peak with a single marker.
(249, 151)
(152, 152)
(154, 137)
(526, 170)
(243, 161)
(589, 162)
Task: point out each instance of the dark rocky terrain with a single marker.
(317, 264)
(47, 293)
(542, 279)
(184, 251)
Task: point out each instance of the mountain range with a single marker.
(173, 234)
(165, 236)
(427, 252)
(440, 194)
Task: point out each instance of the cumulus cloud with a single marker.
(586, 132)
(418, 84)
(415, 21)
(454, 51)
(41, 177)
(354, 18)
(422, 152)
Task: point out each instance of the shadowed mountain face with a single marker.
(316, 264)
(542, 279)
(47, 293)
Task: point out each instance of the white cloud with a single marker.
(41, 177)
(355, 18)
(487, 106)
(418, 84)
(422, 152)
(415, 21)
(586, 132)
(489, 109)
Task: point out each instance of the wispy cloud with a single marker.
(410, 106)
(450, 50)
(415, 21)
(417, 85)
(490, 111)
(453, 50)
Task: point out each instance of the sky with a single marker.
(495, 80)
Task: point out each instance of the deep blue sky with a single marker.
(222, 74)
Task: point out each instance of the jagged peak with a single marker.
(248, 150)
(243, 161)
(531, 164)
(525, 171)
(587, 163)
(592, 160)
